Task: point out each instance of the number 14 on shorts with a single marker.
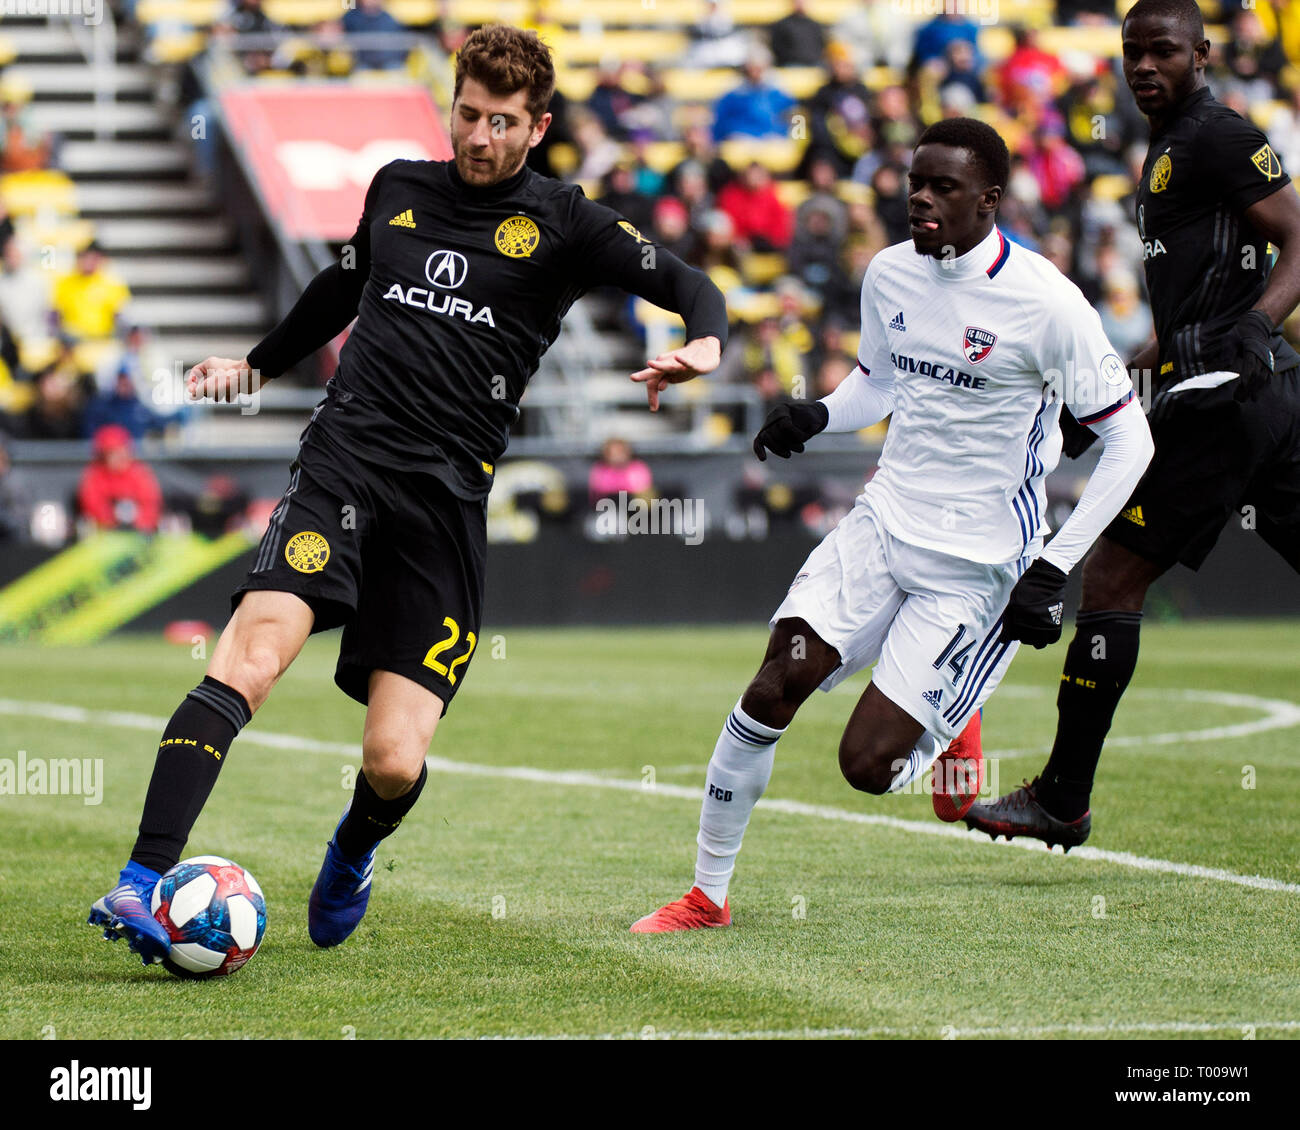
(448, 670)
(954, 654)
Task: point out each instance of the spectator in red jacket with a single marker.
(117, 491)
(1030, 76)
(756, 211)
(1055, 164)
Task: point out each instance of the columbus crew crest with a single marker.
(1161, 171)
(516, 237)
(978, 344)
(307, 552)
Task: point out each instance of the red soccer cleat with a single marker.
(693, 911)
(959, 773)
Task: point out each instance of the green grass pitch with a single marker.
(501, 907)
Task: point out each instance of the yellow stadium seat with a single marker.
(90, 355)
(575, 83)
(191, 13)
(1262, 113)
(564, 158)
(413, 13)
(753, 305)
(15, 396)
(63, 235)
(877, 78)
(624, 13)
(799, 82)
(762, 268)
(792, 193)
(176, 47)
(43, 190)
(572, 48)
(35, 353)
(779, 154)
(717, 427)
(303, 13)
(691, 84)
(663, 156)
(8, 53)
(853, 192)
(474, 12)
(1112, 187)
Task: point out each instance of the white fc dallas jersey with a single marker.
(983, 349)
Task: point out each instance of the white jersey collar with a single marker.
(985, 260)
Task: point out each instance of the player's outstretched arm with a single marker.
(693, 359)
(222, 379)
(1035, 608)
(608, 251)
(860, 400)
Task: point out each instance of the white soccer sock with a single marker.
(923, 755)
(738, 773)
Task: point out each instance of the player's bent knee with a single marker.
(868, 766)
(252, 670)
(392, 765)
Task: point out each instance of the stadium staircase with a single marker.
(133, 187)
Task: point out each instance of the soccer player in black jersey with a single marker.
(458, 276)
(1226, 411)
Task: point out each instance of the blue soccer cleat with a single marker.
(124, 913)
(342, 892)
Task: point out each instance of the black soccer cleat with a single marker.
(1019, 813)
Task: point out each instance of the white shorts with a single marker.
(933, 620)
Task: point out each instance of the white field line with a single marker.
(1279, 714)
(1170, 1028)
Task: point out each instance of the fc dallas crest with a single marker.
(978, 344)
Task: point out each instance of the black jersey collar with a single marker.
(1201, 94)
(498, 191)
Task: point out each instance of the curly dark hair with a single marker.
(506, 59)
(982, 141)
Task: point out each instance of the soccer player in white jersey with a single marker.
(939, 572)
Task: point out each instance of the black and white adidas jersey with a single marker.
(458, 291)
(1206, 265)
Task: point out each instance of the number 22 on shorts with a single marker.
(448, 671)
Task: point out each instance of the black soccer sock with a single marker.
(190, 755)
(371, 818)
(1098, 666)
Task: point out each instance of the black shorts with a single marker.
(1215, 458)
(393, 556)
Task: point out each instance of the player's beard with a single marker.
(504, 163)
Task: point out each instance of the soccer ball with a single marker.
(214, 912)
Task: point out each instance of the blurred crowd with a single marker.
(783, 201)
(789, 248)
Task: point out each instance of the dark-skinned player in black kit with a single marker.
(1225, 415)
(458, 276)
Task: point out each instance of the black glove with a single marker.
(1076, 438)
(1036, 606)
(1254, 364)
(788, 427)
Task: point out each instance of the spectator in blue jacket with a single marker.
(367, 18)
(123, 407)
(756, 108)
(932, 39)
